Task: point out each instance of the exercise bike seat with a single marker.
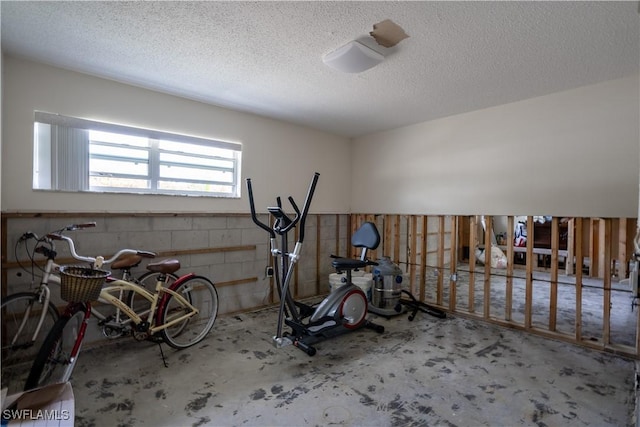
(366, 237)
(341, 264)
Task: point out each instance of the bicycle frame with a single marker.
(45, 293)
(157, 299)
(50, 277)
(78, 342)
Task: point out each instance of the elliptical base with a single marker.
(301, 337)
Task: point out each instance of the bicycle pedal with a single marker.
(111, 332)
(104, 321)
(140, 336)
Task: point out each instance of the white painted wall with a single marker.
(279, 157)
(572, 153)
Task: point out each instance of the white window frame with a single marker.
(62, 158)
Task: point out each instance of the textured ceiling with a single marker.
(266, 57)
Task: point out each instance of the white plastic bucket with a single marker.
(365, 283)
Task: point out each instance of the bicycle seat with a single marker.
(165, 266)
(127, 261)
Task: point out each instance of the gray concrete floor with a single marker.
(436, 372)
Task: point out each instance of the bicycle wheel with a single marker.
(148, 280)
(21, 338)
(55, 362)
(200, 293)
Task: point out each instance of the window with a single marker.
(73, 154)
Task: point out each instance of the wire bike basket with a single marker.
(81, 284)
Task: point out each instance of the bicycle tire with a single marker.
(202, 294)
(19, 349)
(53, 363)
(148, 280)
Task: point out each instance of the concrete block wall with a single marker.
(239, 274)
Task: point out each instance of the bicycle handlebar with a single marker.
(72, 227)
(80, 226)
(97, 261)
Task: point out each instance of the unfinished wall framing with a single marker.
(572, 289)
(567, 284)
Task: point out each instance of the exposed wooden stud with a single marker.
(606, 315)
(508, 300)
(423, 260)
(579, 230)
(453, 264)
(625, 245)
(488, 230)
(602, 247)
(463, 236)
(616, 239)
(440, 283)
(388, 232)
(413, 250)
(553, 297)
(594, 250)
(396, 239)
(347, 236)
(630, 238)
(529, 282)
(355, 224)
(473, 244)
(374, 253)
(569, 262)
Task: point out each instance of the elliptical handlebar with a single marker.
(307, 205)
(254, 217)
(300, 217)
(295, 219)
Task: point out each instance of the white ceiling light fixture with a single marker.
(354, 57)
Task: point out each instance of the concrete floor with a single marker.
(436, 372)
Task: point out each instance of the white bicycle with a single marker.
(27, 317)
(180, 314)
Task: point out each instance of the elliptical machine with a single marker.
(343, 310)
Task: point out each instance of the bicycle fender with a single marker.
(165, 297)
